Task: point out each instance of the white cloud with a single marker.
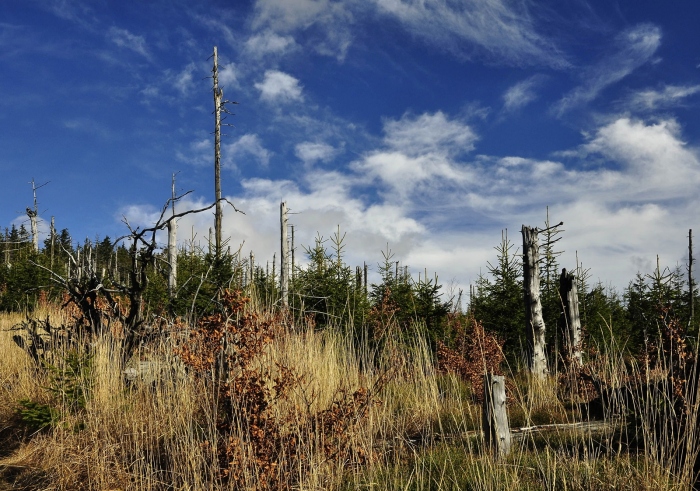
(428, 133)
(310, 152)
(669, 96)
(269, 43)
(239, 153)
(200, 152)
(441, 209)
(521, 94)
(325, 23)
(227, 76)
(279, 87)
(419, 153)
(653, 157)
(125, 39)
(633, 48)
(184, 81)
(502, 30)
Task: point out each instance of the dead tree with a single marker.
(87, 284)
(172, 248)
(218, 97)
(33, 214)
(691, 281)
(534, 321)
(571, 321)
(284, 256)
(497, 436)
(219, 107)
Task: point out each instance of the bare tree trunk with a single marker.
(571, 325)
(218, 97)
(534, 321)
(53, 239)
(495, 415)
(32, 214)
(7, 248)
(691, 282)
(365, 278)
(291, 274)
(172, 249)
(284, 256)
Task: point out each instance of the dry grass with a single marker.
(422, 432)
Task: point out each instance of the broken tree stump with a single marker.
(495, 415)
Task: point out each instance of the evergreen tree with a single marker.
(327, 288)
(498, 300)
(549, 284)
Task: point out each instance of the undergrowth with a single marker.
(248, 400)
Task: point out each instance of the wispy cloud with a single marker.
(279, 87)
(184, 80)
(419, 152)
(521, 94)
(76, 11)
(633, 48)
(247, 151)
(125, 39)
(502, 30)
(668, 96)
(311, 152)
(269, 42)
(325, 23)
(429, 133)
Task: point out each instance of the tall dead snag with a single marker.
(534, 321)
(53, 239)
(495, 415)
(691, 281)
(219, 107)
(284, 256)
(218, 98)
(172, 248)
(33, 214)
(571, 322)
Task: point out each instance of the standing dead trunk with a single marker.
(364, 278)
(691, 282)
(571, 321)
(53, 240)
(291, 272)
(534, 321)
(495, 415)
(284, 256)
(172, 249)
(218, 98)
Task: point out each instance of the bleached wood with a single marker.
(534, 321)
(218, 97)
(284, 255)
(572, 321)
(496, 427)
(172, 248)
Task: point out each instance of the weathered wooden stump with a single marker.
(495, 415)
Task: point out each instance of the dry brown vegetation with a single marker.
(244, 400)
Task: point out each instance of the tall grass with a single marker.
(422, 430)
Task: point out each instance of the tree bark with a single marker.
(534, 321)
(571, 325)
(284, 256)
(495, 416)
(172, 249)
(218, 97)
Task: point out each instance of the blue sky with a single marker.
(429, 126)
